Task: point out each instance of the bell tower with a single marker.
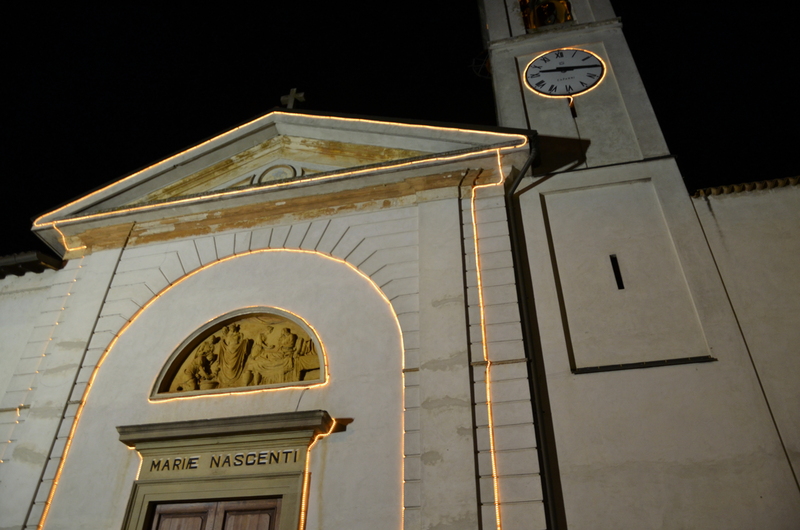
(624, 315)
(610, 124)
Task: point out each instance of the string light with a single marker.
(112, 343)
(156, 399)
(569, 96)
(521, 140)
(38, 223)
(64, 239)
(307, 477)
(484, 346)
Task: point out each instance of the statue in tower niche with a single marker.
(251, 350)
(540, 13)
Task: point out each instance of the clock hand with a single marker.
(568, 68)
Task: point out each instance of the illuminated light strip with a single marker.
(307, 477)
(570, 96)
(259, 189)
(258, 390)
(241, 392)
(523, 141)
(90, 382)
(64, 240)
(484, 346)
(141, 459)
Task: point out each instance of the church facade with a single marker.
(316, 321)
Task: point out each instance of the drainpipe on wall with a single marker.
(542, 419)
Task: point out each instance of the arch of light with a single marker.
(306, 475)
(306, 472)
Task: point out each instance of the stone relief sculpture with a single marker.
(248, 350)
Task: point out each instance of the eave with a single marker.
(81, 227)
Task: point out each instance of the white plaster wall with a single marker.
(446, 492)
(689, 446)
(754, 238)
(584, 11)
(20, 300)
(652, 317)
(361, 335)
(615, 121)
(55, 346)
(516, 458)
(602, 117)
(403, 251)
(381, 244)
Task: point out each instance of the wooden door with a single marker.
(254, 514)
(185, 516)
(247, 515)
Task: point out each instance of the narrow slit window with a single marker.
(617, 273)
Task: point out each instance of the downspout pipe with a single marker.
(543, 425)
(533, 141)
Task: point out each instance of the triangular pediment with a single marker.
(263, 160)
(278, 159)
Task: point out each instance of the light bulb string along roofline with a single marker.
(64, 240)
(483, 335)
(116, 337)
(39, 223)
(84, 398)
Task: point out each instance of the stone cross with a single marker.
(292, 97)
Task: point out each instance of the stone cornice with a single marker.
(318, 421)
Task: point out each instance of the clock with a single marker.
(564, 73)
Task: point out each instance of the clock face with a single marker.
(564, 73)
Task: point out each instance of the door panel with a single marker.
(247, 515)
(254, 514)
(186, 516)
(248, 521)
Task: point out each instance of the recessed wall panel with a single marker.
(622, 292)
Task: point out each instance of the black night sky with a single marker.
(93, 94)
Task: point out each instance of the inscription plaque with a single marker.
(213, 463)
(217, 460)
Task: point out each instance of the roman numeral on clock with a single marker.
(569, 75)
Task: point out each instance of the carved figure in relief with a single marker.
(203, 369)
(286, 362)
(258, 350)
(286, 341)
(306, 362)
(267, 364)
(232, 356)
